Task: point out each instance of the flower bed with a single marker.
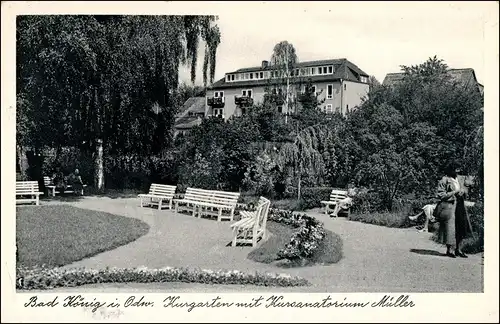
(43, 278)
(305, 241)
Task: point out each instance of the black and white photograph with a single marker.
(318, 149)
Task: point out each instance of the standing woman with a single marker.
(447, 190)
(463, 227)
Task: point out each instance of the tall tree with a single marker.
(105, 84)
(283, 61)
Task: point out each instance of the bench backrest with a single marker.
(162, 190)
(262, 212)
(212, 196)
(338, 195)
(47, 180)
(26, 187)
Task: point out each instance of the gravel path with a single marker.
(376, 259)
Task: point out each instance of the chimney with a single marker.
(265, 64)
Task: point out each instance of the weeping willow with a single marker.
(305, 155)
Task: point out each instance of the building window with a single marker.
(329, 109)
(330, 69)
(325, 69)
(218, 94)
(232, 77)
(329, 91)
(218, 112)
(320, 70)
(228, 77)
(312, 71)
(251, 76)
(313, 88)
(262, 75)
(246, 93)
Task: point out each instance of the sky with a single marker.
(377, 37)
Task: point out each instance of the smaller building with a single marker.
(190, 114)
(467, 77)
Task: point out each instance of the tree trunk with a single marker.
(298, 188)
(99, 166)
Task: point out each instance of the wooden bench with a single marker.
(30, 189)
(208, 202)
(51, 188)
(249, 229)
(247, 213)
(335, 196)
(157, 194)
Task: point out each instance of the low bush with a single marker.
(312, 197)
(48, 278)
(329, 250)
(287, 204)
(388, 219)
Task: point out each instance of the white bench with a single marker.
(51, 188)
(27, 188)
(246, 213)
(208, 202)
(157, 194)
(249, 229)
(335, 196)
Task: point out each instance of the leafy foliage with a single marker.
(86, 78)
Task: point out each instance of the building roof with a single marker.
(465, 76)
(189, 124)
(344, 69)
(193, 104)
(187, 115)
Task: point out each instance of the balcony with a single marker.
(216, 102)
(243, 101)
(274, 98)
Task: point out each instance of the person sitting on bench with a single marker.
(427, 210)
(75, 180)
(59, 181)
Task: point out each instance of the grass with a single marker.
(329, 252)
(58, 235)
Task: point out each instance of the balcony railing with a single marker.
(216, 102)
(243, 101)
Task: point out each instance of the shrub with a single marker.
(260, 175)
(287, 204)
(388, 219)
(47, 278)
(68, 160)
(312, 197)
(306, 240)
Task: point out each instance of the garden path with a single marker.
(376, 259)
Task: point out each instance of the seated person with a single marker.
(59, 181)
(427, 210)
(75, 180)
(345, 203)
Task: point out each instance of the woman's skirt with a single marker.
(446, 217)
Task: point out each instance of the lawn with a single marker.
(59, 235)
(329, 252)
